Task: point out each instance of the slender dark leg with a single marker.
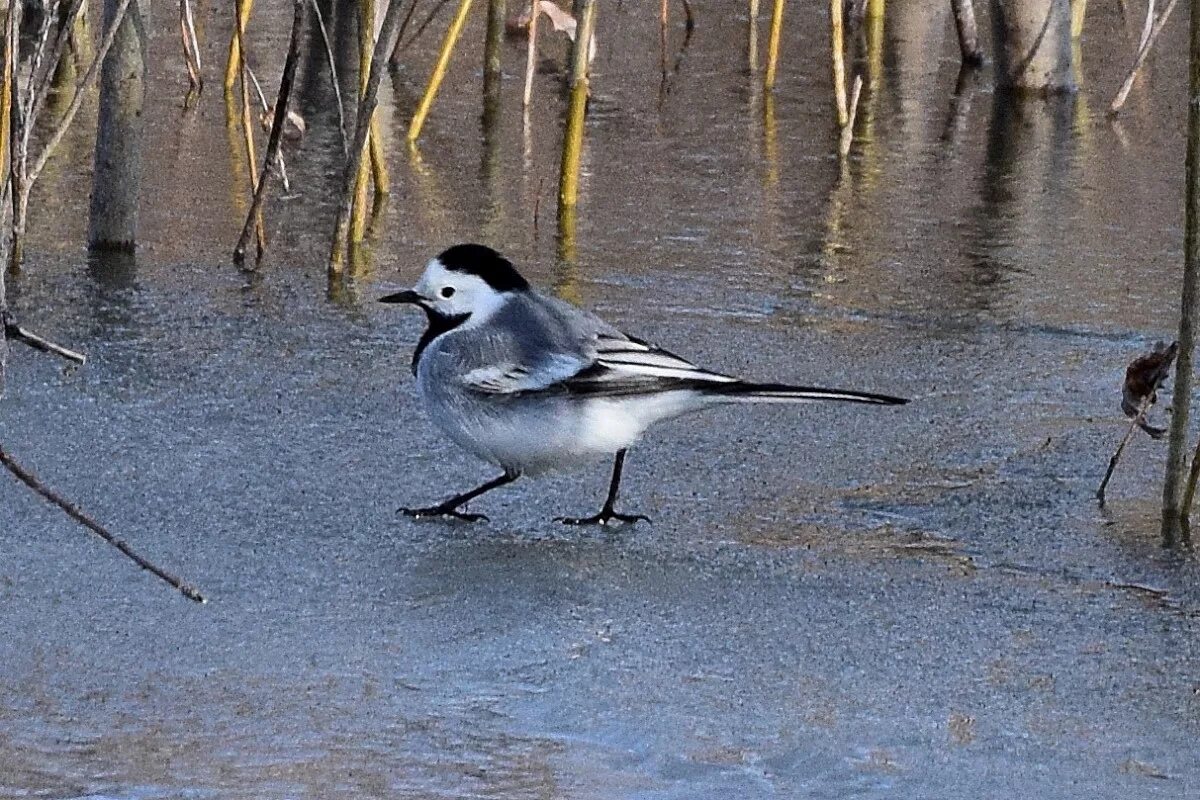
(451, 506)
(609, 512)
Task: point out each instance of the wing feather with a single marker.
(512, 378)
(629, 365)
(610, 363)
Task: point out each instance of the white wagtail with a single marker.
(531, 383)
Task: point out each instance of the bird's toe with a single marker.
(603, 518)
(441, 511)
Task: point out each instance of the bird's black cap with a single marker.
(485, 263)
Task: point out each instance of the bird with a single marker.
(531, 383)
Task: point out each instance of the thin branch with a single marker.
(266, 109)
(394, 59)
(421, 28)
(39, 54)
(262, 97)
(191, 48)
(60, 49)
(1138, 418)
(531, 52)
(18, 334)
(71, 510)
(276, 137)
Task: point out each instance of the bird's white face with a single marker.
(454, 294)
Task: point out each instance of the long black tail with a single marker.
(742, 392)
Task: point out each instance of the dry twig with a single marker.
(191, 50)
(16, 333)
(71, 510)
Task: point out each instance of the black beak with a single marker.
(407, 296)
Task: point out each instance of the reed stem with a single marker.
(568, 187)
(773, 45)
(439, 70)
(234, 63)
(531, 52)
(837, 34)
(366, 42)
(752, 43)
(1174, 522)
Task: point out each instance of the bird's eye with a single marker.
(447, 292)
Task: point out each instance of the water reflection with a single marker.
(111, 294)
(491, 167)
(966, 86)
(1027, 178)
(113, 275)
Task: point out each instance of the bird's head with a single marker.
(466, 282)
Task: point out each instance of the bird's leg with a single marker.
(450, 507)
(609, 512)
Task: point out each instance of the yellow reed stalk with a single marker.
(234, 64)
(770, 142)
(773, 45)
(568, 182)
(379, 171)
(237, 165)
(366, 44)
(439, 70)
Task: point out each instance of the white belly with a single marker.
(536, 435)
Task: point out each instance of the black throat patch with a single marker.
(438, 324)
(485, 263)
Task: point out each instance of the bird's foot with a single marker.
(605, 517)
(441, 511)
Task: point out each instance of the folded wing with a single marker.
(614, 365)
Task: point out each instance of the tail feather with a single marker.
(742, 392)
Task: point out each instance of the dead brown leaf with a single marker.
(561, 21)
(1142, 380)
(293, 129)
